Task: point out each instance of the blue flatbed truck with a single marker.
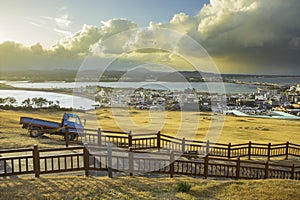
(37, 127)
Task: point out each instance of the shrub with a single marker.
(183, 187)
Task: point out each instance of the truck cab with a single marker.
(73, 122)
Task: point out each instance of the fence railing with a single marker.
(134, 162)
(40, 161)
(162, 141)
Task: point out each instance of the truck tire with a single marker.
(35, 132)
(71, 137)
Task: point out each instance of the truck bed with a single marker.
(27, 121)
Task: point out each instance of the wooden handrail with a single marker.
(235, 166)
(2, 151)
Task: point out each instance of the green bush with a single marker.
(183, 187)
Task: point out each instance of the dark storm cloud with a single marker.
(242, 36)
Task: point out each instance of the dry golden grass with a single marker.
(13, 136)
(144, 188)
(234, 129)
(190, 125)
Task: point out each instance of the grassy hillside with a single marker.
(232, 129)
(144, 188)
(13, 136)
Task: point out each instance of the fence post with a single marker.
(238, 165)
(183, 145)
(109, 159)
(172, 160)
(86, 160)
(229, 150)
(67, 135)
(129, 139)
(99, 136)
(249, 151)
(287, 150)
(269, 151)
(266, 169)
(130, 160)
(292, 171)
(36, 161)
(158, 140)
(206, 166)
(207, 147)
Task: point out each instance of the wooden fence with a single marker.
(135, 162)
(40, 161)
(161, 141)
(124, 152)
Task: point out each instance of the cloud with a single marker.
(112, 28)
(243, 23)
(242, 36)
(253, 33)
(63, 21)
(249, 23)
(78, 43)
(81, 42)
(59, 25)
(246, 33)
(15, 56)
(39, 25)
(67, 52)
(63, 32)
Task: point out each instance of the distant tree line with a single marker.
(40, 102)
(29, 103)
(8, 101)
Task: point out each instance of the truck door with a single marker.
(73, 121)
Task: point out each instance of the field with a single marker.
(223, 129)
(145, 188)
(232, 129)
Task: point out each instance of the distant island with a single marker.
(134, 76)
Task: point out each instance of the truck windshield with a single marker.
(76, 120)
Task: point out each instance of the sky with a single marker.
(240, 36)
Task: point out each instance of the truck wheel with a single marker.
(74, 136)
(35, 132)
(70, 136)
